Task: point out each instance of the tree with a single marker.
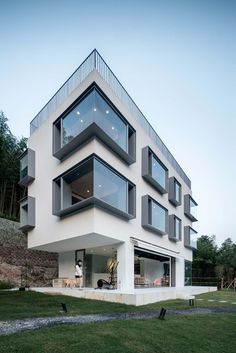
(10, 150)
(227, 259)
(204, 258)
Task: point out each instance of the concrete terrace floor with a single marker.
(139, 296)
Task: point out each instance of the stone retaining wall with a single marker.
(19, 264)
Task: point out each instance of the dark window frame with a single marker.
(146, 170)
(187, 209)
(172, 191)
(93, 131)
(146, 199)
(187, 237)
(172, 228)
(92, 200)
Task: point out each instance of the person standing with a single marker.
(79, 274)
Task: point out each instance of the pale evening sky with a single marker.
(176, 58)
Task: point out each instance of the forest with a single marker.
(10, 150)
(212, 263)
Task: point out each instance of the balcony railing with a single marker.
(95, 62)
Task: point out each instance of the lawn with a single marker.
(176, 334)
(18, 305)
(214, 333)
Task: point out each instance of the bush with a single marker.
(6, 285)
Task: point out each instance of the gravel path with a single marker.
(16, 326)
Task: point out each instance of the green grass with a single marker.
(19, 305)
(177, 334)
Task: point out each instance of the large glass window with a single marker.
(177, 228)
(154, 216)
(190, 237)
(158, 172)
(110, 122)
(78, 119)
(193, 208)
(154, 171)
(158, 216)
(190, 207)
(110, 187)
(92, 180)
(27, 167)
(95, 111)
(177, 192)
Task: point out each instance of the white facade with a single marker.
(94, 229)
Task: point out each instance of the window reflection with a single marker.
(158, 172)
(93, 179)
(93, 108)
(177, 228)
(193, 208)
(78, 119)
(177, 191)
(109, 187)
(157, 216)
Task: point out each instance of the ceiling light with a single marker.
(107, 111)
(99, 185)
(88, 190)
(78, 112)
(94, 109)
(81, 120)
(112, 128)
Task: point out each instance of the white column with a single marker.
(125, 269)
(179, 268)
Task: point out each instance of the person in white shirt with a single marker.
(79, 274)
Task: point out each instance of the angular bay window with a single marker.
(190, 208)
(93, 115)
(154, 171)
(27, 213)
(175, 193)
(27, 167)
(93, 182)
(154, 216)
(190, 238)
(175, 228)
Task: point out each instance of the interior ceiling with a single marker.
(150, 255)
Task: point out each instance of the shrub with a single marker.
(6, 285)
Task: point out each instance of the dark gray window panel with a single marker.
(27, 213)
(93, 183)
(93, 116)
(147, 217)
(27, 167)
(175, 228)
(90, 202)
(147, 156)
(189, 207)
(175, 191)
(190, 240)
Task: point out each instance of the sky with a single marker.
(176, 58)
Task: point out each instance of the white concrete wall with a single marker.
(51, 229)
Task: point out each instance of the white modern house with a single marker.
(102, 184)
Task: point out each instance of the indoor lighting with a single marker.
(112, 128)
(81, 120)
(88, 190)
(99, 185)
(94, 109)
(107, 111)
(78, 112)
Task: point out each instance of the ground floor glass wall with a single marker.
(151, 269)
